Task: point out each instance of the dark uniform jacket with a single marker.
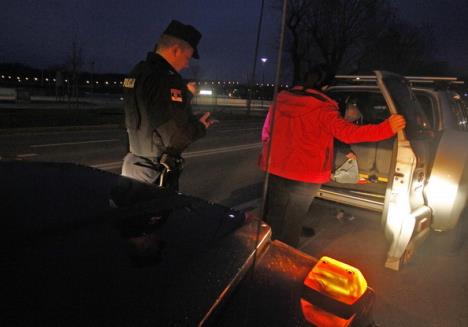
(158, 115)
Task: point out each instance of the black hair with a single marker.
(317, 77)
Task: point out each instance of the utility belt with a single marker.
(164, 164)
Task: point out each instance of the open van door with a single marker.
(406, 218)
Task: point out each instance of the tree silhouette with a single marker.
(350, 35)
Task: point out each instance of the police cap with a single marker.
(188, 33)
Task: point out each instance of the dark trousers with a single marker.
(288, 202)
(149, 171)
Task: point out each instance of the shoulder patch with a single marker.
(129, 83)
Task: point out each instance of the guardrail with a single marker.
(8, 94)
(201, 100)
(11, 94)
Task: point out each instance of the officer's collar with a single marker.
(156, 58)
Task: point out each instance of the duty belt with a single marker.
(164, 164)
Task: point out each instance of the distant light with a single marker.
(97, 82)
(264, 60)
(120, 83)
(121, 98)
(26, 78)
(87, 82)
(35, 78)
(9, 77)
(46, 79)
(358, 78)
(66, 81)
(107, 83)
(3, 76)
(231, 215)
(54, 80)
(17, 77)
(115, 83)
(206, 92)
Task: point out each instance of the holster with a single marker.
(169, 163)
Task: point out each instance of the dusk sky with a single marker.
(115, 34)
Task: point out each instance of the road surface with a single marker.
(430, 291)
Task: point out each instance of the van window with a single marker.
(406, 102)
(427, 105)
(459, 111)
(372, 105)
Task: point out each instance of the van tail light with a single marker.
(336, 294)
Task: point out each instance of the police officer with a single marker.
(158, 115)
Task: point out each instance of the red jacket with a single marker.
(302, 141)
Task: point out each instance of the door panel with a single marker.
(405, 216)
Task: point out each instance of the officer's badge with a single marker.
(129, 83)
(176, 95)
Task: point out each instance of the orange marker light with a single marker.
(333, 293)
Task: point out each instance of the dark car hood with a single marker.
(159, 258)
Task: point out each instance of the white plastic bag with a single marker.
(347, 172)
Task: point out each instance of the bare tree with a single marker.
(298, 12)
(349, 35)
(401, 48)
(340, 28)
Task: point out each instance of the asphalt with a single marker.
(16, 116)
(431, 290)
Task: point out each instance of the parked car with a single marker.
(419, 179)
(85, 247)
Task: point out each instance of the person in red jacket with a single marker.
(301, 151)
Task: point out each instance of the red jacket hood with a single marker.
(298, 102)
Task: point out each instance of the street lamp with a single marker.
(263, 60)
